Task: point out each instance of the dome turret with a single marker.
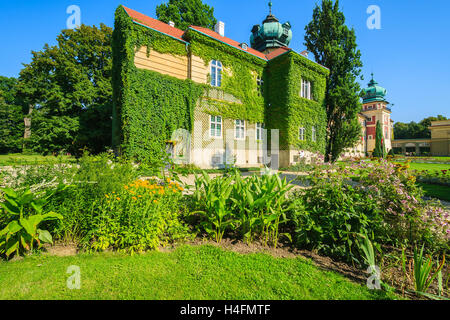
(271, 34)
(374, 92)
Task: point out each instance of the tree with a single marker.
(415, 130)
(65, 83)
(187, 12)
(334, 46)
(11, 117)
(379, 151)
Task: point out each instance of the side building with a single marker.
(208, 100)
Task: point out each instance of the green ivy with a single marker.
(148, 106)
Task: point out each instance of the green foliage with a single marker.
(147, 103)
(423, 276)
(148, 106)
(252, 207)
(380, 200)
(288, 111)
(415, 130)
(379, 151)
(334, 46)
(11, 117)
(63, 84)
(22, 214)
(140, 216)
(186, 13)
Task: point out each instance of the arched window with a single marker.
(216, 73)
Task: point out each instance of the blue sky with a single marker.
(409, 55)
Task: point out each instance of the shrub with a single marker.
(247, 208)
(20, 218)
(138, 217)
(378, 199)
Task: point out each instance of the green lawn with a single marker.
(428, 166)
(436, 191)
(28, 159)
(196, 273)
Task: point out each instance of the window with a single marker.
(259, 131)
(216, 73)
(260, 84)
(386, 133)
(301, 134)
(313, 134)
(239, 129)
(306, 89)
(216, 126)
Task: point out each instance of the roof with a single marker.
(155, 24)
(228, 41)
(178, 34)
(277, 52)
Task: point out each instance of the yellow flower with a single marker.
(134, 198)
(118, 199)
(155, 201)
(106, 196)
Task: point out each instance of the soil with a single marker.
(61, 249)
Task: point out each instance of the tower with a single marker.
(271, 34)
(375, 108)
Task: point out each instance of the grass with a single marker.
(196, 273)
(28, 159)
(428, 166)
(436, 191)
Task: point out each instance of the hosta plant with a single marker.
(21, 218)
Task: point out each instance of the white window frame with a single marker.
(260, 85)
(259, 129)
(313, 134)
(301, 134)
(216, 76)
(215, 123)
(241, 127)
(306, 89)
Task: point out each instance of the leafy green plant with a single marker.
(25, 215)
(251, 207)
(215, 192)
(368, 249)
(423, 276)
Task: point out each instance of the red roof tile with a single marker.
(277, 52)
(155, 24)
(228, 41)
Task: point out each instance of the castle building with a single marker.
(212, 101)
(374, 108)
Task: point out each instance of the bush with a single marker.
(247, 208)
(383, 203)
(139, 216)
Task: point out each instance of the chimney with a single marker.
(171, 23)
(304, 53)
(220, 28)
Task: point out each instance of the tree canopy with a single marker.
(11, 117)
(64, 84)
(187, 12)
(414, 130)
(334, 46)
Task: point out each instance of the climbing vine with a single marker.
(149, 106)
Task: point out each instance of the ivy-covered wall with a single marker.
(238, 77)
(149, 106)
